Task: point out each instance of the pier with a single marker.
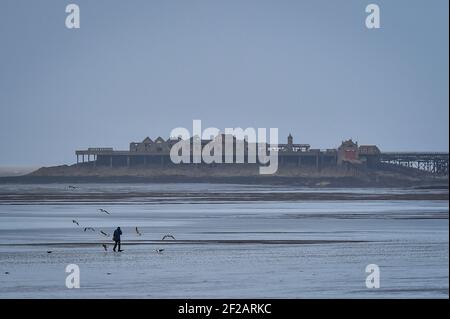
(432, 162)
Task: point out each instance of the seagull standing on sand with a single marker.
(159, 250)
(105, 247)
(103, 211)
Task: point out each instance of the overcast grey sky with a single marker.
(142, 68)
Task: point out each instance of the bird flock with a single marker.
(105, 234)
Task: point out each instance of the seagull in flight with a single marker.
(105, 234)
(159, 250)
(103, 211)
(168, 236)
(138, 232)
(75, 222)
(89, 228)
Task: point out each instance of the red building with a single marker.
(348, 152)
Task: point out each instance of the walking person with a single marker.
(116, 238)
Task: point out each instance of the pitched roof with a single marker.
(147, 140)
(159, 140)
(348, 143)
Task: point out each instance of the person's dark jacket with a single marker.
(116, 235)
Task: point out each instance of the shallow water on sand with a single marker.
(223, 248)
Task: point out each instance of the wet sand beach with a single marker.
(231, 241)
